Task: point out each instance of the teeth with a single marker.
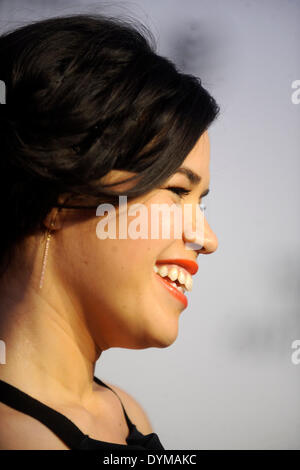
(175, 273)
(181, 277)
(163, 271)
(180, 288)
(189, 283)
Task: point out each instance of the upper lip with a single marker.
(189, 265)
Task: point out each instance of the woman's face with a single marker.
(112, 281)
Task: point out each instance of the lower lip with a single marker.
(175, 292)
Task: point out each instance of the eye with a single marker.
(178, 190)
(183, 192)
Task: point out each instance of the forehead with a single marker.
(197, 160)
(199, 157)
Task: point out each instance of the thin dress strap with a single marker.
(129, 422)
(64, 428)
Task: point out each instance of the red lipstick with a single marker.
(175, 292)
(189, 265)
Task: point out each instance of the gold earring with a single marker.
(49, 233)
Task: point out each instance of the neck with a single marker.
(50, 353)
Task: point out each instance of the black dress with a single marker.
(66, 430)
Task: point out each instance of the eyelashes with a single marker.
(183, 192)
(178, 190)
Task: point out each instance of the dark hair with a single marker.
(86, 94)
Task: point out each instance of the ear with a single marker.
(54, 218)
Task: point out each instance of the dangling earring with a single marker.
(49, 233)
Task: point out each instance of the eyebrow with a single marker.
(192, 177)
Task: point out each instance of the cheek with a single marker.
(142, 233)
(117, 279)
(116, 264)
(121, 261)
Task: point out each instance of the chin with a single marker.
(164, 336)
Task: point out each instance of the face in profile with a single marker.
(112, 283)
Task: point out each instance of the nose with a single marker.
(209, 240)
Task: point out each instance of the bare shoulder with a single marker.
(19, 431)
(134, 410)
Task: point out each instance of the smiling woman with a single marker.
(92, 113)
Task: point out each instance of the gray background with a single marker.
(228, 381)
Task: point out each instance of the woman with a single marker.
(91, 113)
